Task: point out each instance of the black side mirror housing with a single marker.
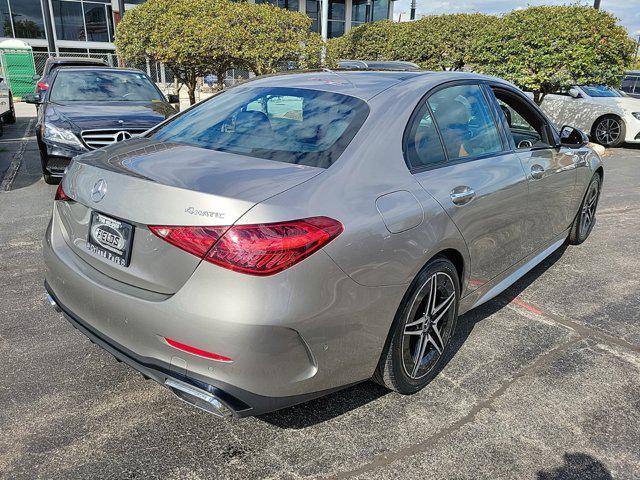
(34, 98)
(173, 98)
(572, 137)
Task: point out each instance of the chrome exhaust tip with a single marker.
(53, 303)
(198, 398)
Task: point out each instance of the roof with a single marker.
(364, 84)
(76, 60)
(98, 67)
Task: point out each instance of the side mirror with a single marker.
(173, 98)
(35, 98)
(575, 93)
(36, 78)
(572, 137)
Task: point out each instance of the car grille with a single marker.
(101, 138)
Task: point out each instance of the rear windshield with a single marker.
(102, 85)
(292, 125)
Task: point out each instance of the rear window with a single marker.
(292, 125)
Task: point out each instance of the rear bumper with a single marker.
(231, 401)
(292, 337)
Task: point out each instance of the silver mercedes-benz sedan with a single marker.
(304, 232)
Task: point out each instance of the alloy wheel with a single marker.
(589, 206)
(608, 131)
(429, 325)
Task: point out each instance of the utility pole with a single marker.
(413, 10)
(596, 4)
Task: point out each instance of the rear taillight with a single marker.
(42, 86)
(61, 195)
(263, 249)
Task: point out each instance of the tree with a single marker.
(197, 37)
(544, 49)
(272, 37)
(369, 41)
(441, 42)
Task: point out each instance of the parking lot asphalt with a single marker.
(543, 382)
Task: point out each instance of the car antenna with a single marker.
(328, 70)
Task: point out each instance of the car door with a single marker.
(458, 155)
(550, 170)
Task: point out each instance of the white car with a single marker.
(607, 115)
(7, 111)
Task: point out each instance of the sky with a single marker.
(627, 11)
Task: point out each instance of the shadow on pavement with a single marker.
(338, 403)
(577, 466)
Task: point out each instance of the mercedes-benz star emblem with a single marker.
(99, 190)
(120, 136)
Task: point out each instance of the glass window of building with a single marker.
(95, 18)
(336, 18)
(7, 27)
(358, 12)
(68, 19)
(28, 21)
(313, 11)
(380, 10)
(287, 4)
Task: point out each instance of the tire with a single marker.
(10, 116)
(50, 179)
(421, 328)
(586, 217)
(609, 131)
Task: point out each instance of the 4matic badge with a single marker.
(203, 213)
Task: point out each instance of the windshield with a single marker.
(293, 125)
(600, 91)
(103, 85)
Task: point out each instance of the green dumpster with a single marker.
(18, 68)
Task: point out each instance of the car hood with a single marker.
(627, 104)
(106, 115)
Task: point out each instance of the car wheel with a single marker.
(422, 329)
(10, 116)
(586, 217)
(609, 131)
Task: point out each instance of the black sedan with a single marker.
(86, 108)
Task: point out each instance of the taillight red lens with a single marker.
(42, 86)
(263, 249)
(195, 240)
(61, 195)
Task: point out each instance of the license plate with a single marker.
(110, 238)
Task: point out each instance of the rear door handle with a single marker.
(537, 171)
(462, 195)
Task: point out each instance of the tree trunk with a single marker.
(537, 97)
(220, 77)
(191, 88)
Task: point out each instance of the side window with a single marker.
(465, 121)
(628, 84)
(527, 127)
(423, 146)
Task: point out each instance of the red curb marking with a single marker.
(521, 303)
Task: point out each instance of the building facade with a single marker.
(87, 26)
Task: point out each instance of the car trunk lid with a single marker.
(144, 182)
